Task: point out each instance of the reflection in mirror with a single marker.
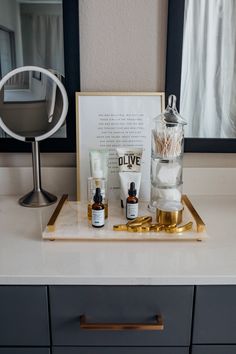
(31, 105)
(31, 33)
(7, 52)
(42, 34)
(208, 79)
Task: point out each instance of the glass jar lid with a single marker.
(171, 116)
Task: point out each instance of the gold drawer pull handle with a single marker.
(158, 325)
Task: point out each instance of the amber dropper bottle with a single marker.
(98, 210)
(132, 203)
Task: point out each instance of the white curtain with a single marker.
(43, 44)
(6, 64)
(208, 82)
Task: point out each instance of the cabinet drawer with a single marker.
(215, 315)
(121, 305)
(24, 351)
(214, 349)
(24, 316)
(112, 350)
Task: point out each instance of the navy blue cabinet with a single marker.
(214, 349)
(121, 304)
(112, 350)
(24, 351)
(24, 318)
(71, 327)
(215, 315)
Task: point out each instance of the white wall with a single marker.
(123, 45)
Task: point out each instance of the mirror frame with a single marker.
(173, 79)
(70, 10)
(47, 74)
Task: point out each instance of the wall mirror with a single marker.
(201, 71)
(43, 33)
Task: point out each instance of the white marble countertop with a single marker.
(26, 259)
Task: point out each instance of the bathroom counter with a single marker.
(26, 259)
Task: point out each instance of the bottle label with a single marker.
(98, 217)
(132, 210)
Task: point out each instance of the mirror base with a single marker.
(36, 199)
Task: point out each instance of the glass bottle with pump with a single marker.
(132, 203)
(97, 181)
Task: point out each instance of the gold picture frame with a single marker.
(160, 95)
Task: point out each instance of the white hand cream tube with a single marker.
(129, 161)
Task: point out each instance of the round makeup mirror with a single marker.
(33, 107)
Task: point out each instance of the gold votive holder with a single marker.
(169, 217)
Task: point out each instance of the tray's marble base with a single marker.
(72, 224)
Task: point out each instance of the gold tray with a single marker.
(69, 222)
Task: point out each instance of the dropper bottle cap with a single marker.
(132, 191)
(97, 197)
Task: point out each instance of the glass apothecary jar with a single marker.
(167, 156)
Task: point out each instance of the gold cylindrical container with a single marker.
(169, 217)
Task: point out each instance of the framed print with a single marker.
(107, 120)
